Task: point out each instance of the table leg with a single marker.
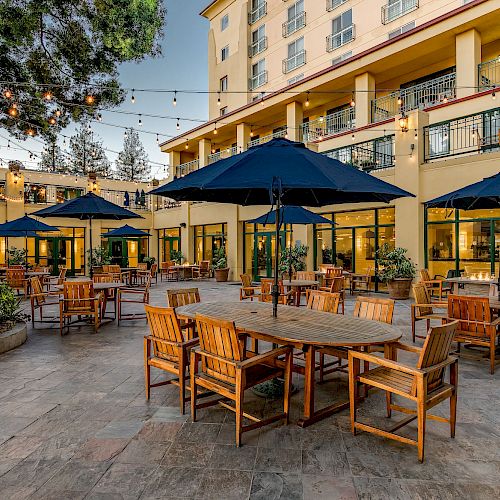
(455, 288)
(298, 292)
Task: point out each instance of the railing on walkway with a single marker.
(257, 47)
(367, 156)
(397, 9)
(186, 168)
(259, 12)
(293, 25)
(423, 95)
(336, 40)
(473, 134)
(295, 61)
(324, 126)
(489, 74)
(220, 155)
(267, 138)
(257, 80)
(167, 203)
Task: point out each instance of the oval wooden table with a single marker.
(303, 329)
(298, 286)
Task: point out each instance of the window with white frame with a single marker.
(259, 74)
(259, 41)
(296, 18)
(224, 53)
(342, 31)
(223, 84)
(224, 22)
(296, 55)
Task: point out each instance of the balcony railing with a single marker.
(333, 4)
(489, 74)
(257, 47)
(267, 138)
(167, 203)
(393, 11)
(473, 134)
(220, 155)
(295, 24)
(257, 80)
(334, 123)
(336, 40)
(134, 203)
(367, 156)
(186, 168)
(294, 62)
(423, 95)
(259, 12)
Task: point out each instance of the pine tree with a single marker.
(132, 163)
(87, 154)
(54, 159)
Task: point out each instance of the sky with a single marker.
(182, 65)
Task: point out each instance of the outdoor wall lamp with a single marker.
(15, 177)
(403, 123)
(182, 224)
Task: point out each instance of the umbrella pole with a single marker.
(275, 292)
(90, 235)
(26, 250)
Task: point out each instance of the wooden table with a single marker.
(303, 329)
(182, 268)
(489, 283)
(298, 286)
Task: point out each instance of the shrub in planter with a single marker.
(219, 264)
(293, 259)
(98, 257)
(395, 269)
(16, 256)
(176, 256)
(149, 261)
(10, 309)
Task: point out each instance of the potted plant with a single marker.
(395, 269)
(12, 320)
(176, 256)
(149, 261)
(16, 256)
(98, 257)
(219, 264)
(292, 260)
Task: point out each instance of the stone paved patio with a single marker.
(74, 423)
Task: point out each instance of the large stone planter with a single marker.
(221, 274)
(399, 288)
(13, 338)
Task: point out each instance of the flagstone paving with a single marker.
(74, 423)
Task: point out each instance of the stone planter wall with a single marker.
(13, 338)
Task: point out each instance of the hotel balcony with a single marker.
(332, 124)
(267, 138)
(293, 25)
(220, 155)
(395, 10)
(186, 168)
(257, 81)
(489, 74)
(257, 47)
(118, 198)
(430, 93)
(336, 40)
(294, 62)
(333, 4)
(257, 13)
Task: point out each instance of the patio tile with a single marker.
(31, 473)
(100, 450)
(227, 484)
(318, 487)
(275, 486)
(188, 454)
(120, 429)
(229, 457)
(173, 482)
(143, 452)
(278, 460)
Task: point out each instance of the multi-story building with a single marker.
(403, 89)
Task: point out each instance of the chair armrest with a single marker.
(200, 352)
(136, 291)
(256, 360)
(431, 282)
(384, 362)
(406, 347)
(93, 299)
(163, 341)
(191, 343)
(432, 304)
(439, 366)
(496, 322)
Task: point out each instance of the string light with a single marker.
(30, 132)
(174, 101)
(352, 137)
(90, 99)
(400, 101)
(7, 94)
(493, 95)
(218, 100)
(99, 117)
(445, 99)
(353, 102)
(12, 111)
(47, 95)
(178, 125)
(140, 121)
(132, 99)
(187, 144)
(215, 129)
(58, 112)
(157, 139)
(8, 144)
(416, 134)
(52, 121)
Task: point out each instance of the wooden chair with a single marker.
(41, 269)
(182, 297)
(165, 348)
(226, 371)
(168, 270)
(203, 271)
(361, 282)
(337, 285)
(331, 272)
(136, 295)
(79, 299)
(424, 384)
(247, 290)
(40, 299)
(118, 275)
(154, 272)
(476, 326)
(266, 287)
(434, 285)
(424, 309)
(51, 281)
(142, 266)
(324, 301)
(16, 279)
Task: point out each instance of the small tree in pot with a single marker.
(292, 260)
(395, 269)
(219, 264)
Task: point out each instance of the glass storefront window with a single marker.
(440, 214)
(35, 193)
(207, 239)
(441, 248)
(479, 214)
(169, 240)
(474, 247)
(357, 218)
(343, 248)
(386, 216)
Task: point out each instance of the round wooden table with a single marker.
(303, 329)
(298, 286)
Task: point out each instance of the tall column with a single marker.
(204, 149)
(468, 57)
(242, 136)
(174, 162)
(14, 193)
(187, 234)
(294, 117)
(364, 93)
(234, 245)
(409, 211)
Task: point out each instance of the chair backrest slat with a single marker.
(333, 272)
(375, 309)
(164, 325)
(77, 295)
(422, 296)
(338, 284)
(306, 275)
(424, 275)
(323, 301)
(246, 280)
(37, 290)
(475, 311)
(15, 277)
(182, 297)
(102, 278)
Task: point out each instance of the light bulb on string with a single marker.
(132, 98)
(12, 111)
(30, 132)
(8, 144)
(215, 129)
(7, 94)
(400, 101)
(157, 139)
(178, 125)
(352, 137)
(47, 95)
(58, 112)
(307, 100)
(140, 121)
(174, 100)
(493, 95)
(52, 121)
(187, 144)
(90, 99)
(218, 99)
(416, 134)
(445, 99)
(353, 102)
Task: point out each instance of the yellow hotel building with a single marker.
(337, 75)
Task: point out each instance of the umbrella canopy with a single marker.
(483, 194)
(291, 214)
(25, 225)
(126, 231)
(302, 176)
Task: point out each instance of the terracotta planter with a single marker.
(399, 288)
(221, 274)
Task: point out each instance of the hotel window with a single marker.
(341, 58)
(296, 18)
(439, 140)
(223, 84)
(296, 55)
(223, 111)
(224, 22)
(258, 10)
(401, 30)
(259, 41)
(35, 193)
(259, 74)
(207, 239)
(224, 53)
(342, 31)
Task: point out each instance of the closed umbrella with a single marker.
(280, 172)
(137, 199)
(126, 199)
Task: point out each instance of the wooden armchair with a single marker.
(52, 281)
(424, 384)
(266, 287)
(142, 266)
(247, 290)
(165, 348)
(16, 279)
(203, 270)
(436, 285)
(168, 270)
(361, 282)
(79, 299)
(135, 295)
(324, 301)
(337, 285)
(476, 326)
(331, 273)
(225, 371)
(424, 309)
(118, 275)
(183, 297)
(40, 299)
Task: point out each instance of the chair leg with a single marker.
(413, 324)
(182, 382)
(288, 386)
(353, 391)
(321, 367)
(421, 417)
(388, 401)
(239, 406)
(492, 356)
(147, 369)
(453, 399)
(192, 372)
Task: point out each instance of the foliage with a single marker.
(149, 261)
(293, 259)
(10, 308)
(132, 163)
(98, 257)
(73, 48)
(177, 256)
(53, 159)
(327, 256)
(87, 154)
(16, 256)
(219, 259)
(393, 263)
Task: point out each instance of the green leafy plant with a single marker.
(16, 256)
(98, 257)
(177, 256)
(219, 258)
(10, 308)
(149, 261)
(393, 264)
(293, 259)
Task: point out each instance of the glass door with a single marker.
(55, 253)
(170, 243)
(264, 252)
(132, 252)
(118, 251)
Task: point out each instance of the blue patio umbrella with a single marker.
(137, 199)
(125, 231)
(280, 172)
(126, 199)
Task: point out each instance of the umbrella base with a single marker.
(272, 389)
